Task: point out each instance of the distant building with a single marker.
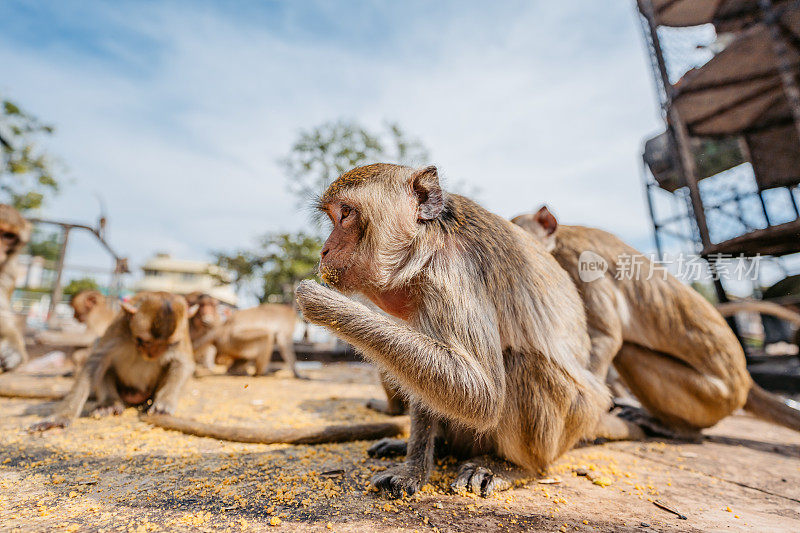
(163, 273)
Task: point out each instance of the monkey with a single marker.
(90, 308)
(491, 349)
(670, 346)
(205, 320)
(15, 232)
(144, 355)
(249, 335)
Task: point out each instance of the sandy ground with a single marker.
(119, 474)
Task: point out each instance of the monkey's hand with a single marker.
(403, 479)
(161, 407)
(114, 409)
(478, 480)
(317, 302)
(9, 358)
(50, 423)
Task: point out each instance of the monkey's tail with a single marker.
(312, 435)
(11, 390)
(772, 408)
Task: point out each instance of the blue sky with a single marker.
(176, 113)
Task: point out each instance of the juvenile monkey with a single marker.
(671, 347)
(145, 354)
(91, 308)
(205, 320)
(492, 348)
(15, 232)
(249, 336)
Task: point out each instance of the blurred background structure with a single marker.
(722, 180)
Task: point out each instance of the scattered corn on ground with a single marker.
(119, 474)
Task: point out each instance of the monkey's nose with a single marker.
(324, 252)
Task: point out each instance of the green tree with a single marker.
(330, 149)
(241, 263)
(275, 265)
(81, 284)
(26, 176)
(287, 259)
(45, 245)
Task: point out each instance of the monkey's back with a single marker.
(657, 310)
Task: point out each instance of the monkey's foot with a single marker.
(654, 427)
(108, 410)
(50, 423)
(388, 448)
(402, 480)
(239, 368)
(382, 406)
(202, 372)
(160, 408)
(478, 480)
(9, 358)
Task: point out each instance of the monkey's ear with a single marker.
(128, 308)
(546, 220)
(91, 299)
(193, 310)
(425, 183)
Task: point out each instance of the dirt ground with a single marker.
(119, 474)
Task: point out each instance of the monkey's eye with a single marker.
(174, 344)
(345, 211)
(9, 236)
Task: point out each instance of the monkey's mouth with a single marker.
(330, 275)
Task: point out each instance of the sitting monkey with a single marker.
(247, 337)
(492, 348)
(90, 308)
(670, 346)
(145, 354)
(204, 320)
(15, 232)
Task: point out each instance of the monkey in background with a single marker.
(204, 320)
(248, 338)
(15, 232)
(492, 348)
(144, 355)
(670, 346)
(90, 308)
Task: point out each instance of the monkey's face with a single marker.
(337, 264)
(207, 314)
(9, 241)
(155, 320)
(82, 305)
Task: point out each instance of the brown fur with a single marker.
(15, 232)
(204, 320)
(671, 347)
(90, 308)
(492, 348)
(249, 336)
(144, 355)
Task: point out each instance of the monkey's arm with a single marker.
(461, 378)
(12, 347)
(70, 407)
(166, 397)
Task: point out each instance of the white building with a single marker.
(179, 276)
